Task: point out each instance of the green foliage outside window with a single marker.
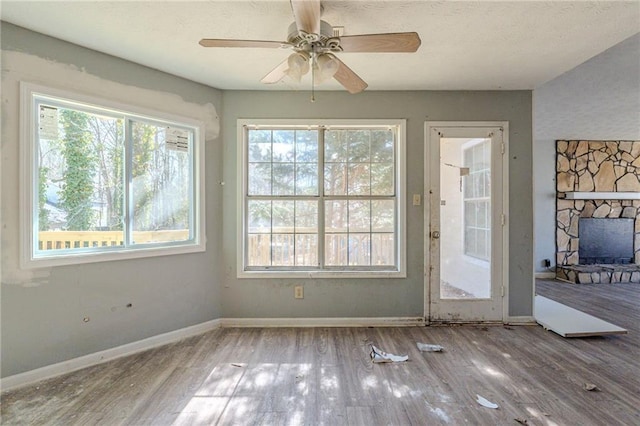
(77, 189)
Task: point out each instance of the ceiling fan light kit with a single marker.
(326, 67)
(298, 65)
(314, 46)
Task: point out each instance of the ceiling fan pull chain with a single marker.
(314, 58)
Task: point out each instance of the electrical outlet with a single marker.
(298, 292)
(546, 263)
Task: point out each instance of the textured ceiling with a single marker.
(474, 45)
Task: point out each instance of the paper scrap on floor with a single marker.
(570, 322)
(427, 347)
(378, 355)
(485, 402)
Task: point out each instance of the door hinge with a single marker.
(502, 290)
(503, 219)
(502, 148)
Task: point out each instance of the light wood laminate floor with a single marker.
(324, 376)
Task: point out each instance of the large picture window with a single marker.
(323, 197)
(104, 181)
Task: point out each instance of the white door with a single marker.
(465, 221)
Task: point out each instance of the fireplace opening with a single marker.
(605, 241)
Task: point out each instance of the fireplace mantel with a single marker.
(576, 195)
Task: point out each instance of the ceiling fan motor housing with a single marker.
(317, 43)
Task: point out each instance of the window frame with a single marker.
(29, 173)
(481, 261)
(397, 271)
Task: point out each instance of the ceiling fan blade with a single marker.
(221, 42)
(307, 15)
(349, 79)
(277, 73)
(389, 42)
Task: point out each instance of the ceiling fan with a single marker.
(314, 45)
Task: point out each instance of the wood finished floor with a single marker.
(323, 376)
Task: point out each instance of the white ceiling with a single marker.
(473, 45)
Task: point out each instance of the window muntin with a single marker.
(105, 181)
(321, 198)
(477, 200)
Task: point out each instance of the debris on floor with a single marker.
(485, 402)
(427, 347)
(378, 355)
(522, 421)
(570, 322)
(590, 387)
(233, 364)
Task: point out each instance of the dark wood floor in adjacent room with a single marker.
(324, 376)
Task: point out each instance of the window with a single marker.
(477, 199)
(322, 198)
(104, 182)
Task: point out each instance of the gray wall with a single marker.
(42, 319)
(597, 100)
(42, 314)
(249, 298)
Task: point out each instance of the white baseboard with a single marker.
(68, 366)
(324, 322)
(64, 367)
(545, 275)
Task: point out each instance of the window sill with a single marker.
(475, 261)
(322, 274)
(82, 258)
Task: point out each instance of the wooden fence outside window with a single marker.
(57, 240)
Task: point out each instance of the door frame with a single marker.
(502, 126)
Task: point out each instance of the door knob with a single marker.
(435, 235)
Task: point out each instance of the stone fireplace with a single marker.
(598, 180)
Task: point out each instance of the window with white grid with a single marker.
(321, 198)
